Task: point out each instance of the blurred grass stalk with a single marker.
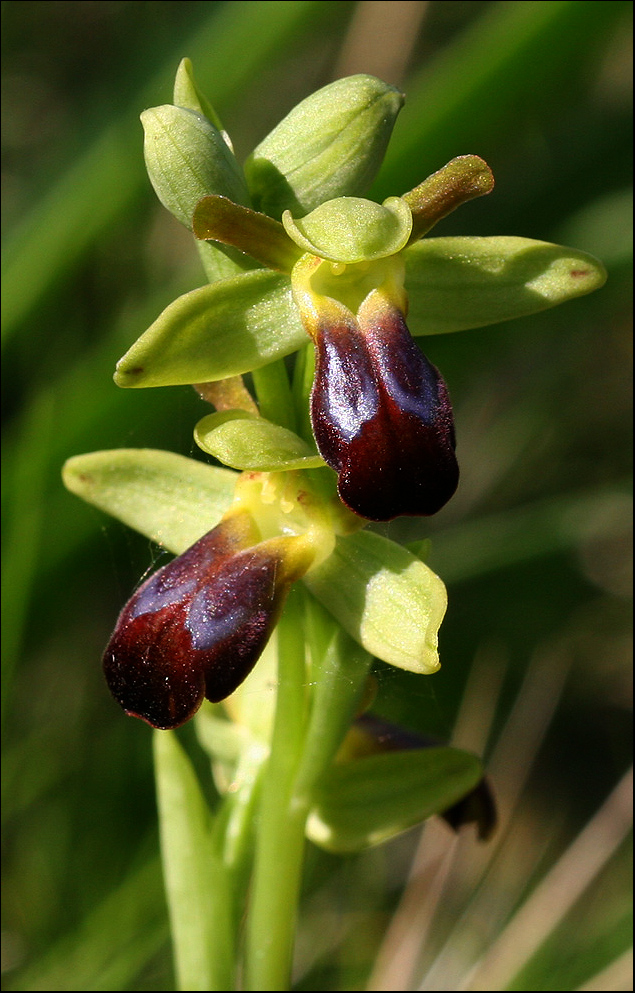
(507, 900)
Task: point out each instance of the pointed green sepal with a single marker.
(459, 283)
(219, 219)
(188, 95)
(187, 158)
(370, 800)
(247, 442)
(171, 499)
(351, 229)
(385, 597)
(461, 180)
(330, 145)
(231, 327)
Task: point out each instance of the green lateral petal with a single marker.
(167, 497)
(330, 145)
(385, 597)
(371, 799)
(461, 180)
(219, 219)
(187, 158)
(458, 283)
(246, 441)
(350, 229)
(217, 331)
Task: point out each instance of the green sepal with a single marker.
(231, 327)
(248, 442)
(454, 284)
(369, 800)
(385, 598)
(329, 145)
(351, 229)
(219, 219)
(171, 499)
(187, 158)
(196, 881)
(188, 95)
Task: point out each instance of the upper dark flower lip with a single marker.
(382, 418)
(380, 411)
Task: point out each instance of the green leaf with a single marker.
(217, 331)
(458, 283)
(246, 441)
(385, 597)
(196, 882)
(330, 145)
(350, 229)
(371, 799)
(171, 499)
(187, 158)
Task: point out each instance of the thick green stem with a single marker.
(280, 839)
(274, 395)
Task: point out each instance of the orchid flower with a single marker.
(299, 261)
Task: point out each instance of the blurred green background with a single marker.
(535, 548)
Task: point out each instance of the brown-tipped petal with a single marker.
(218, 219)
(464, 178)
(382, 417)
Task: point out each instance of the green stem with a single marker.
(273, 391)
(280, 841)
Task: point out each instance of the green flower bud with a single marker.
(330, 145)
(188, 95)
(187, 159)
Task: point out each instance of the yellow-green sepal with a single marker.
(459, 283)
(171, 499)
(233, 326)
(385, 597)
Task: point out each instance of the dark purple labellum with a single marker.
(382, 418)
(195, 628)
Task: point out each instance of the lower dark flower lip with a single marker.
(196, 628)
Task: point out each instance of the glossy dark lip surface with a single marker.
(382, 418)
(193, 630)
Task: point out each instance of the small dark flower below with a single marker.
(196, 628)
